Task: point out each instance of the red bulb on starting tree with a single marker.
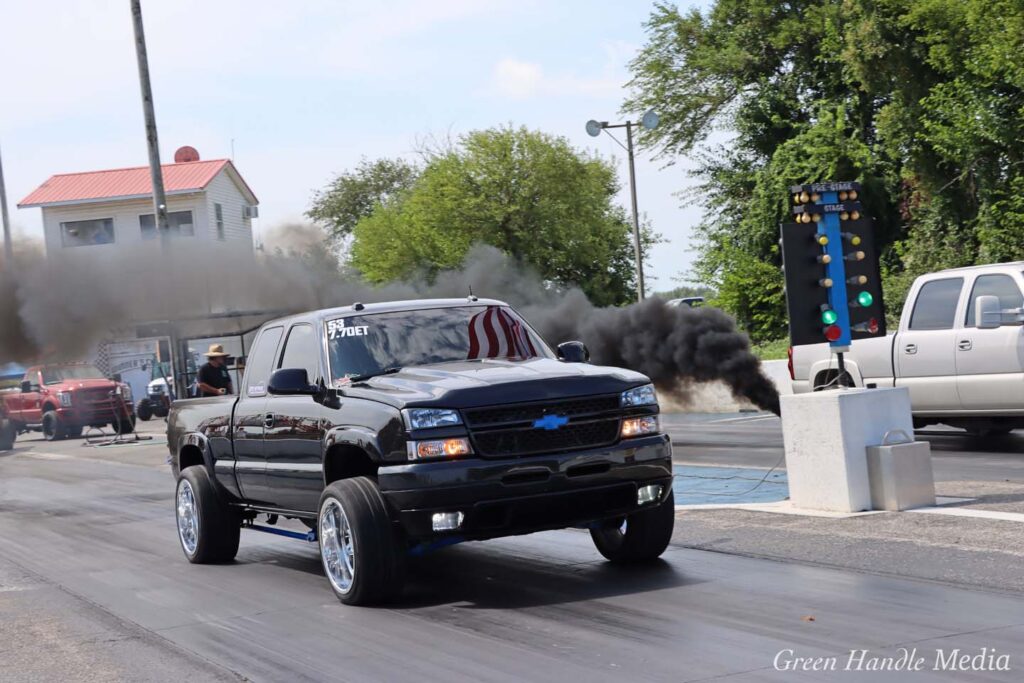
(833, 333)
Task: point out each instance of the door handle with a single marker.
(910, 348)
(268, 420)
(965, 345)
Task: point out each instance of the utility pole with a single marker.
(649, 121)
(159, 198)
(8, 248)
(636, 216)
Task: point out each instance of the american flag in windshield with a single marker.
(361, 346)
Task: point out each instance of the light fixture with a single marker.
(648, 494)
(446, 521)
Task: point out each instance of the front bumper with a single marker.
(522, 495)
(102, 413)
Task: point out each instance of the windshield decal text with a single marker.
(337, 328)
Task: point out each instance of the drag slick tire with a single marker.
(208, 528)
(53, 427)
(640, 537)
(362, 554)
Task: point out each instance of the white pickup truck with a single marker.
(959, 349)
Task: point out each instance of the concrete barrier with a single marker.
(715, 397)
(826, 435)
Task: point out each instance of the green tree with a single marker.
(919, 100)
(527, 193)
(354, 195)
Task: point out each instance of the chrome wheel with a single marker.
(188, 519)
(337, 549)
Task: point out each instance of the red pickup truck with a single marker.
(61, 400)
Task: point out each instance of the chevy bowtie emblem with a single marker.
(550, 422)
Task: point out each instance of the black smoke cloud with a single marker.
(60, 307)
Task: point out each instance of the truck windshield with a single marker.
(62, 373)
(361, 346)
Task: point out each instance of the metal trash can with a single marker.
(900, 472)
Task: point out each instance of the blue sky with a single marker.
(306, 89)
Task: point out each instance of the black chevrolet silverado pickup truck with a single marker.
(397, 428)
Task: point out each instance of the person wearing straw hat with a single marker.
(214, 378)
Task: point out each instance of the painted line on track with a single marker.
(743, 418)
(972, 512)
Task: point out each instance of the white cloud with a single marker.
(517, 80)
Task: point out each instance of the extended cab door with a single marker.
(294, 431)
(250, 412)
(925, 347)
(989, 363)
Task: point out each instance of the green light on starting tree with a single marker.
(828, 316)
(865, 299)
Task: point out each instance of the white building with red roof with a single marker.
(99, 211)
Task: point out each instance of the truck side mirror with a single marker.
(26, 386)
(291, 382)
(987, 315)
(573, 352)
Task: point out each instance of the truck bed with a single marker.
(870, 361)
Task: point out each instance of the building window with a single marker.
(179, 222)
(218, 212)
(84, 233)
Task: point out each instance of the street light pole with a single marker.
(636, 216)
(649, 121)
(8, 249)
(155, 172)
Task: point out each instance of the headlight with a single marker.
(427, 418)
(640, 396)
(438, 448)
(126, 392)
(639, 426)
(65, 398)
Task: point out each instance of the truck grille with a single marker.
(504, 431)
(101, 395)
(97, 403)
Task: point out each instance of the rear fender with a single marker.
(200, 441)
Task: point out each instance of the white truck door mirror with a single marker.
(987, 314)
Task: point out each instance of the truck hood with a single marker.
(73, 384)
(471, 383)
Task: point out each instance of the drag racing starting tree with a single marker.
(833, 288)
